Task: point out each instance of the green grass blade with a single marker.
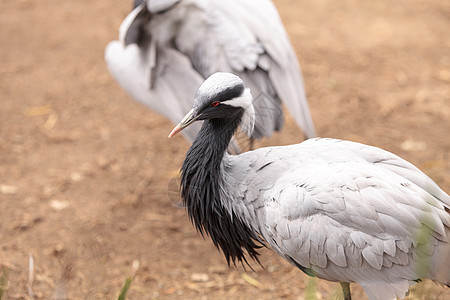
(124, 290)
(3, 281)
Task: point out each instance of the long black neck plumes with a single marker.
(201, 182)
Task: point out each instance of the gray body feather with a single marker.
(346, 211)
(165, 50)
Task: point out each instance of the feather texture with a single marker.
(167, 47)
(350, 211)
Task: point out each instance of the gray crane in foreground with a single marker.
(166, 48)
(338, 210)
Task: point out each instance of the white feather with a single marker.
(243, 37)
(355, 196)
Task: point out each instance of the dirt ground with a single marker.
(87, 175)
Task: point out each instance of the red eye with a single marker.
(215, 103)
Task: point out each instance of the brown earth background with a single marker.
(85, 171)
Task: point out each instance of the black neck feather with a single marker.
(201, 181)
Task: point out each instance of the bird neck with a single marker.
(203, 191)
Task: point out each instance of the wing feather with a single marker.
(130, 67)
(342, 204)
(283, 68)
(243, 37)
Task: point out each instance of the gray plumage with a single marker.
(338, 210)
(167, 47)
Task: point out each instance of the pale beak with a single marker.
(187, 120)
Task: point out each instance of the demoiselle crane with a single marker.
(338, 210)
(166, 48)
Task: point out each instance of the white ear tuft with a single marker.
(245, 101)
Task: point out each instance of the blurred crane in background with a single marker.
(166, 48)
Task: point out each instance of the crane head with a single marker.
(221, 96)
